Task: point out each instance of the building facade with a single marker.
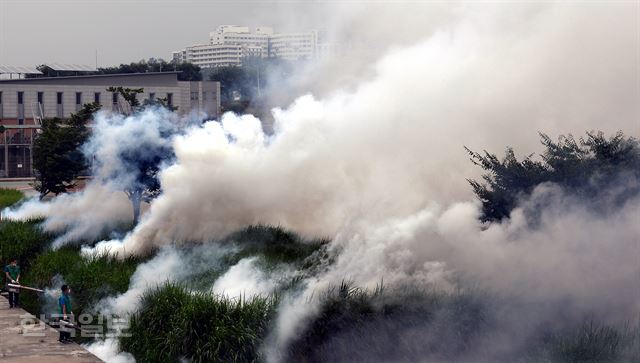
(294, 46)
(25, 102)
(230, 44)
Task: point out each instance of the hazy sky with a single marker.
(69, 31)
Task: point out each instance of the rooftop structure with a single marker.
(46, 69)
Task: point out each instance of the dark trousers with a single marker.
(13, 299)
(65, 331)
(64, 335)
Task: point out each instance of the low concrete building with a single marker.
(25, 102)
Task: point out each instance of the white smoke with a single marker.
(380, 167)
(394, 145)
(108, 351)
(169, 265)
(102, 205)
(246, 278)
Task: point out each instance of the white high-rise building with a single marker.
(240, 35)
(212, 55)
(294, 46)
(230, 44)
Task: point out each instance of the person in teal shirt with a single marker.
(12, 273)
(64, 308)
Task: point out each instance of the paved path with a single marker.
(35, 343)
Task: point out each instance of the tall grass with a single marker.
(273, 244)
(174, 322)
(389, 324)
(589, 343)
(274, 247)
(21, 240)
(90, 278)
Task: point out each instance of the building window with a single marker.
(41, 97)
(78, 98)
(59, 109)
(20, 98)
(169, 99)
(96, 97)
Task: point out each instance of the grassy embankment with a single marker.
(90, 278)
(181, 320)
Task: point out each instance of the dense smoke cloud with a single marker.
(379, 167)
(381, 170)
(394, 145)
(102, 205)
(85, 215)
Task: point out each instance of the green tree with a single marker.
(589, 168)
(57, 158)
(237, 87)
(143, 160)
(130, 95)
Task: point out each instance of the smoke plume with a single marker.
(379, 167)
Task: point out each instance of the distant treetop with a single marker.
(188, 71)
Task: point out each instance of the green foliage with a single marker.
(9, 197)
(174, 323)
(57, 158)
(589, 343)
(159, 102)
(241, 87)
(587, 168)
(90, 278)
(274, 245)
(188, 71)
(130, 95)
(144, 159)
(398, 324)
(236, 87)
(21, 240)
